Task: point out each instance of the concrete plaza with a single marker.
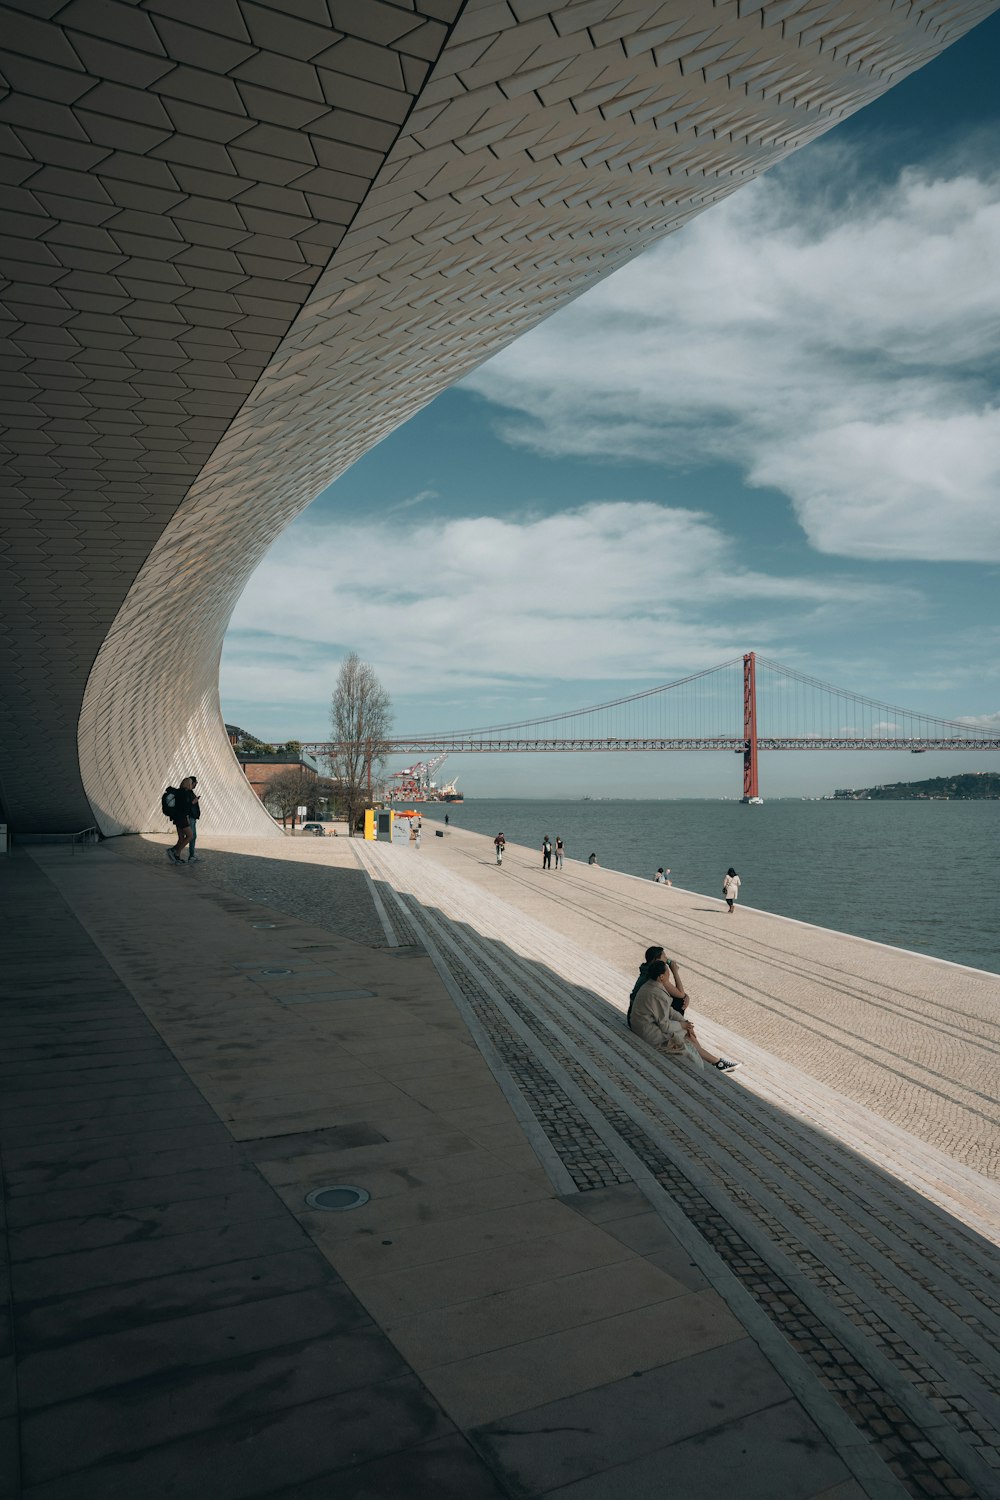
(581, 1272)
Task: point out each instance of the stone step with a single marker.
(823, 1000)
(871, 1250)
(960, 1190)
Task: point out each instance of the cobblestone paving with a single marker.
(916, 1040)
(316, 880)
(578, 1146)
(404, 931)
(900, 1327)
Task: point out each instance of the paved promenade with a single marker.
(581, 1272)
(914, 1039)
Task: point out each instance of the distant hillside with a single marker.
(974, 786)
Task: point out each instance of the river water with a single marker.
(920, 875)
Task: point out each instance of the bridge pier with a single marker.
(751, 785)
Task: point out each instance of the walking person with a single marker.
(731, 889)
(546, 853)
(180, 815)
(193, 817)
(499, 843)
(559, 852)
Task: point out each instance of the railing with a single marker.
(84, 838)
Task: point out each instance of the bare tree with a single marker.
(289, 790)
(361, 718)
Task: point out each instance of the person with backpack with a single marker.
(193, 817)
(176, 803)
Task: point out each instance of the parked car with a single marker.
(316, 828)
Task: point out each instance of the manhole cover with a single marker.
(263, 924)
(277, 971)
(337, 1199)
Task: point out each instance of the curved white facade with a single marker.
(249, 240)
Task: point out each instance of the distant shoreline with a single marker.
(971, 786)
(861, 794)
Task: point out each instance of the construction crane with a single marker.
(414, 784)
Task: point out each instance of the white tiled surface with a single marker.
(247, 240)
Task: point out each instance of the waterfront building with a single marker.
(243, 244)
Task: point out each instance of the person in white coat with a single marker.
(731, 889)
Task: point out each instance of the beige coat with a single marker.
(655, 1021)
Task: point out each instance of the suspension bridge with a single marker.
(745, 705)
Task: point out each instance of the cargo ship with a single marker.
(415, 784)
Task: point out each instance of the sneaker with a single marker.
(194, 859)
(725, 1066)
(174, 859)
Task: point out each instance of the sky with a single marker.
(777, 430)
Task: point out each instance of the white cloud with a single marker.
(989, 722)
(612, 591)
(411, 500)
(841, 351)
(920, 486)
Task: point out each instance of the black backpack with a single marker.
(168, 802)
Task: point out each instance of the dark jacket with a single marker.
(184, 801)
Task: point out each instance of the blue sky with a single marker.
(777, 430)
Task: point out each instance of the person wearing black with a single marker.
(546, 853)
(184, 800)
(193, 817)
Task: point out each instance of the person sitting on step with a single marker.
(657, 1016)
(673, 982)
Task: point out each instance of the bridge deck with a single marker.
(513, 744)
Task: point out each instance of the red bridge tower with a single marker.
(751, 789)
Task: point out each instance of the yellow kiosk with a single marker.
(378, 823)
